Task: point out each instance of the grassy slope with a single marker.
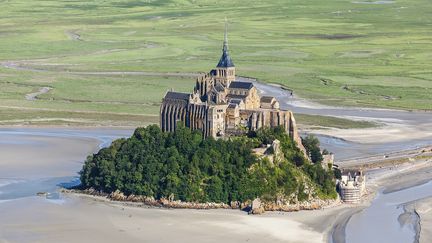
(334, 52)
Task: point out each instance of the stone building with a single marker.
(221, 106)
(352, 186)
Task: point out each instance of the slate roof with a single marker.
(241, 85)
(232, 106)
(267, 99)
(219, 87)
(225, 61)
(236, 101)
(232, 96)
(177, 96)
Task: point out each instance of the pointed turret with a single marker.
(225, 72)
(225, 60)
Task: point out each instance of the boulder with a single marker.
(235, 205)
(257, 207)
(118, 196)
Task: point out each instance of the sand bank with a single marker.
(36, 157)
(387, 133)
(391, 179)
(84, 219)
(424, 209)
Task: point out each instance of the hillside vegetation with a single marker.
(343, 52)
(184, 166)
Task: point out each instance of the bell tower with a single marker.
(225, 70)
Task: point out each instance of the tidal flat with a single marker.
(59, 217)
(52, 159)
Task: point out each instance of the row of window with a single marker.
(223, 73)
(238, 92)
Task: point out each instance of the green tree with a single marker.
(312, 146)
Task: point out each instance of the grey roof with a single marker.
(232, 106)
(241, 85)
(232, 96)
(219, 87)
(177, 96)
(267, 99)
(235, 101)
(225, 61)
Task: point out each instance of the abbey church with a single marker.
(220, 106)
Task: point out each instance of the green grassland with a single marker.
(336, 52)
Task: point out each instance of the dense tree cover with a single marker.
(311, 144)
(183, 164)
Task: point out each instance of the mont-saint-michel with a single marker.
(138, 121)
(223, 146)
(220, 106)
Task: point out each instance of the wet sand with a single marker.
(424, 209)
(84, 220)
(399, 130)
(72, 218)
(44, 158)
(388, 180)
(36, 160)
(36, 157)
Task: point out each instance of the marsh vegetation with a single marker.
(122, 56)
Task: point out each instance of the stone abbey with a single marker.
(220, 106)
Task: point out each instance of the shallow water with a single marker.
(303, 107)
(105, 136)
(380, 221)
(28, 186)
(348, 150)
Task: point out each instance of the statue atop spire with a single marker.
(225, 44)
(225, 61)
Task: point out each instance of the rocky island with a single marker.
(223, 144)
(185, 170)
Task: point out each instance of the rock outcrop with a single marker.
(257, 206)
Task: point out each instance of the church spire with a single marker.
(225, 44)
(225, 60)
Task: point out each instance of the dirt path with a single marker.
(34, 96)
(73, 35)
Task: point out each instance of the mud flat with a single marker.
(38, 160)
(392, 196)
(78, 219)
(399, 130)
(423, 208)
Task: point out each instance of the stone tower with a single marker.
(225, 70)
